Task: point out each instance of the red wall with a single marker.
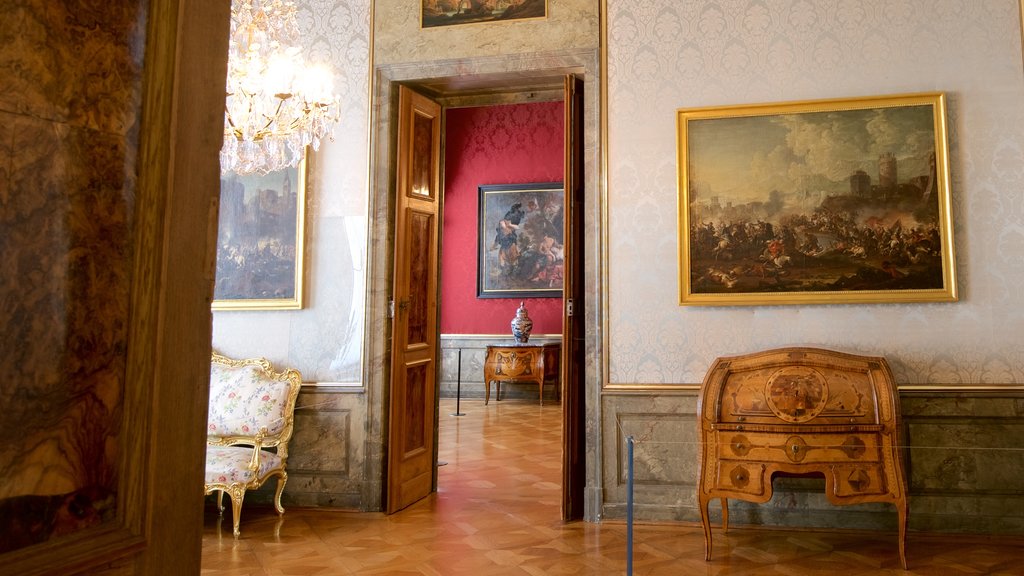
(510, 144)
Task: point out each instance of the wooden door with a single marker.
(414, 321)
(573, 345)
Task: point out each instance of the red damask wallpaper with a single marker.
(509, 144)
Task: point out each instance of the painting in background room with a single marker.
(521, 244)
(816, 202)
(449, 12)
(259, 240)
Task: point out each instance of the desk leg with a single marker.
(487, 392)
(540, 387)
(725, 514)
(703, 502)
(903, 512)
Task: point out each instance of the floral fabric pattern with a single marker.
(243, 400)
(230, 464)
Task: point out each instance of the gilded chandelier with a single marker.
(276, 104)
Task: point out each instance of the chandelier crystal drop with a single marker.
(276, 104)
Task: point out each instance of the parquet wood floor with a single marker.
(496, 512)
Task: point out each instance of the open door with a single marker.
(414, 303)
(573, 344)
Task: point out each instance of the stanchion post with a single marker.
(629, 507)
(458, 386)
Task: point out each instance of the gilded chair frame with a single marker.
(262, 439)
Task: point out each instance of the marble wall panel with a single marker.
(664, 430)
(326, 456)
(964, 468)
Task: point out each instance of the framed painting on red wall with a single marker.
(520, 239)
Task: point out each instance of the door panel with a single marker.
(420, 247)
(573, 344)
(414, 325)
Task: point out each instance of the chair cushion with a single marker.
(229, 464)
(243, 400)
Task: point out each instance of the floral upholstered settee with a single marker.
(249, 425)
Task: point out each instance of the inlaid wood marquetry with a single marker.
(521, 363)
(800, 411)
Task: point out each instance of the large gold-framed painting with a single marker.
(825, 201)
(449, 12)
(260, 240)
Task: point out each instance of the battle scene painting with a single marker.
(259, 240)
(521, 243)
(450, 12)
(817, 202)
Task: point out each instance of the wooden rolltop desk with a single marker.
(800, 411)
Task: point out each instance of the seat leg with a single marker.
(280, 489)
(220, 502)
(237, 495)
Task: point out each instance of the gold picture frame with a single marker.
(260, 240)
(437, 13)
(815, 202)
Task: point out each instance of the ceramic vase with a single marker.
(521, 325)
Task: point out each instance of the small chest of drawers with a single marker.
(537, 364)
(800, 411)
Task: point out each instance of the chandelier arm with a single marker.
(265, 63)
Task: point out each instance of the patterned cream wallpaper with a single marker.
(670, 54)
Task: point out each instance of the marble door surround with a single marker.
(489, 79)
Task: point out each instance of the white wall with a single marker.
(324, 340)
(670, 54)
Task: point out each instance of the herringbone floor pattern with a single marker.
(496, 512)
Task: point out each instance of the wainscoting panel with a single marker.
(966, 462)
(326, 454)
(965, 466)
(664, 428)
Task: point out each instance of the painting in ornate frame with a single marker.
(520, 240)
(434, 13)
(825, 201)
(260, 240)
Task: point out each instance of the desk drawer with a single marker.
(745, 477)
(852, 481)
(797, 448)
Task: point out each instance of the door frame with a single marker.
(520, 69)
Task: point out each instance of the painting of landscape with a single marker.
(450, 12)
(816, 202)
